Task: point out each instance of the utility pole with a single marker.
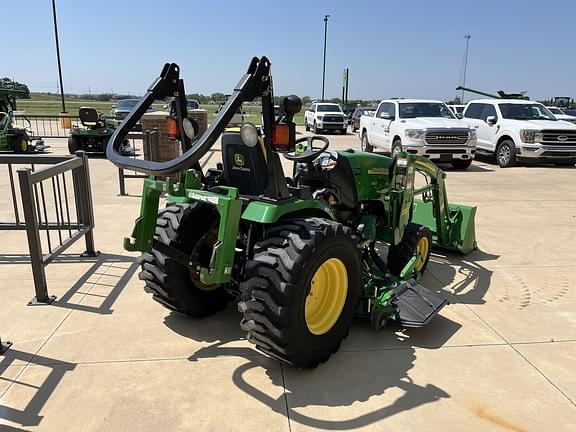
(58, 55)
(324, 64)
(467, 37)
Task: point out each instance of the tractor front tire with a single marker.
(172, 284)
(417, 238)
(301, 291)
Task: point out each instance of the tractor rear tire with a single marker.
(301, 291)
(416, 238)
(172, 284)
(73, 144)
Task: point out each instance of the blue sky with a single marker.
(392, 48)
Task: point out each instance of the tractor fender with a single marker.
(269, 212)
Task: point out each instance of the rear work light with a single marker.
(283, 137)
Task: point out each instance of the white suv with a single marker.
(519, 130)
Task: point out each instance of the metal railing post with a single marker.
(33, 235)
(121, 181)
(86, 199)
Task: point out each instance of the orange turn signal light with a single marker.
(171, 128)
(281, 137)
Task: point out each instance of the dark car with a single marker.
(123, 108)
(570, 111)
(358, 112)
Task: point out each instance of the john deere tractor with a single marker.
(17, 139)
(300, 255)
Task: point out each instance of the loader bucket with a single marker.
(457, 235)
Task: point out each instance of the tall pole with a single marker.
(58, 55)
(467, 37)
(324, 64)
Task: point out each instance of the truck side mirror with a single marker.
(491, 120)
(459, 116)
(386, 116)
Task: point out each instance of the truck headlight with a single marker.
(527, 135)
(416, 134)
(473, 134)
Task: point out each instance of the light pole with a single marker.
(324, 64)
(467, 37)
(58, 55)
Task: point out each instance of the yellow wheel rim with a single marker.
(210, 239)
(327, 296)
(422, 247)
(23, 145)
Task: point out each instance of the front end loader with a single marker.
(343, 236)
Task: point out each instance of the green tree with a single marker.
(217, 97)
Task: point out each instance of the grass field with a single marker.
(41, 103)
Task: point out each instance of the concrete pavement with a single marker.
(105, 357)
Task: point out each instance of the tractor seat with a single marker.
(244, 167)
(89, 117)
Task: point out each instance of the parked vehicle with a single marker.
(518, 130)
(423, 127)
(359, 112)
(325, 116)
(93, 134)
(561, 115)
(124, 107)
(191, 104)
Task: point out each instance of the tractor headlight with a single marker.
(249, 134)
(416, 134)
(189, 128)
(527, 135)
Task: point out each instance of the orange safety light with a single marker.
(281, 137)
(171, 128)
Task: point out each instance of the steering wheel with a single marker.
(310, 153)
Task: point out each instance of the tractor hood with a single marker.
(434, 123)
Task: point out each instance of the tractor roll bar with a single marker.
(256, 82)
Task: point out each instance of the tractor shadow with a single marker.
(463, 277)
(375, 381)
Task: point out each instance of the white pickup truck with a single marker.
(519, 130)
(325, 116)
(424, 127)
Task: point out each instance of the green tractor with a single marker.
(95, 133)
(301, 255)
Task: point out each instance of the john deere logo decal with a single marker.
(239, 159)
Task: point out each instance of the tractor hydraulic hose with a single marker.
(256, 82)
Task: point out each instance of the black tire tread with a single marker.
(400, 254)
(163, 275)
(267, 294)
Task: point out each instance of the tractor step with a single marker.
(416, 305)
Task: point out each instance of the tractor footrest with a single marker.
(416, 305)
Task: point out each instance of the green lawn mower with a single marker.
(300, 255)
(18, 140)
(95, 133)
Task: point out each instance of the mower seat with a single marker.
(244, 167)
(88, 116)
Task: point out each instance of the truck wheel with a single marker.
(365, 145)
(416, 239)
(396, 148)
(315, 128)
(506, 154)
(301, 291)
(185, 227)
(73, 144)
(20, 144)
(344, 131)
(461, 164)
(306, 126)
(569, 162)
